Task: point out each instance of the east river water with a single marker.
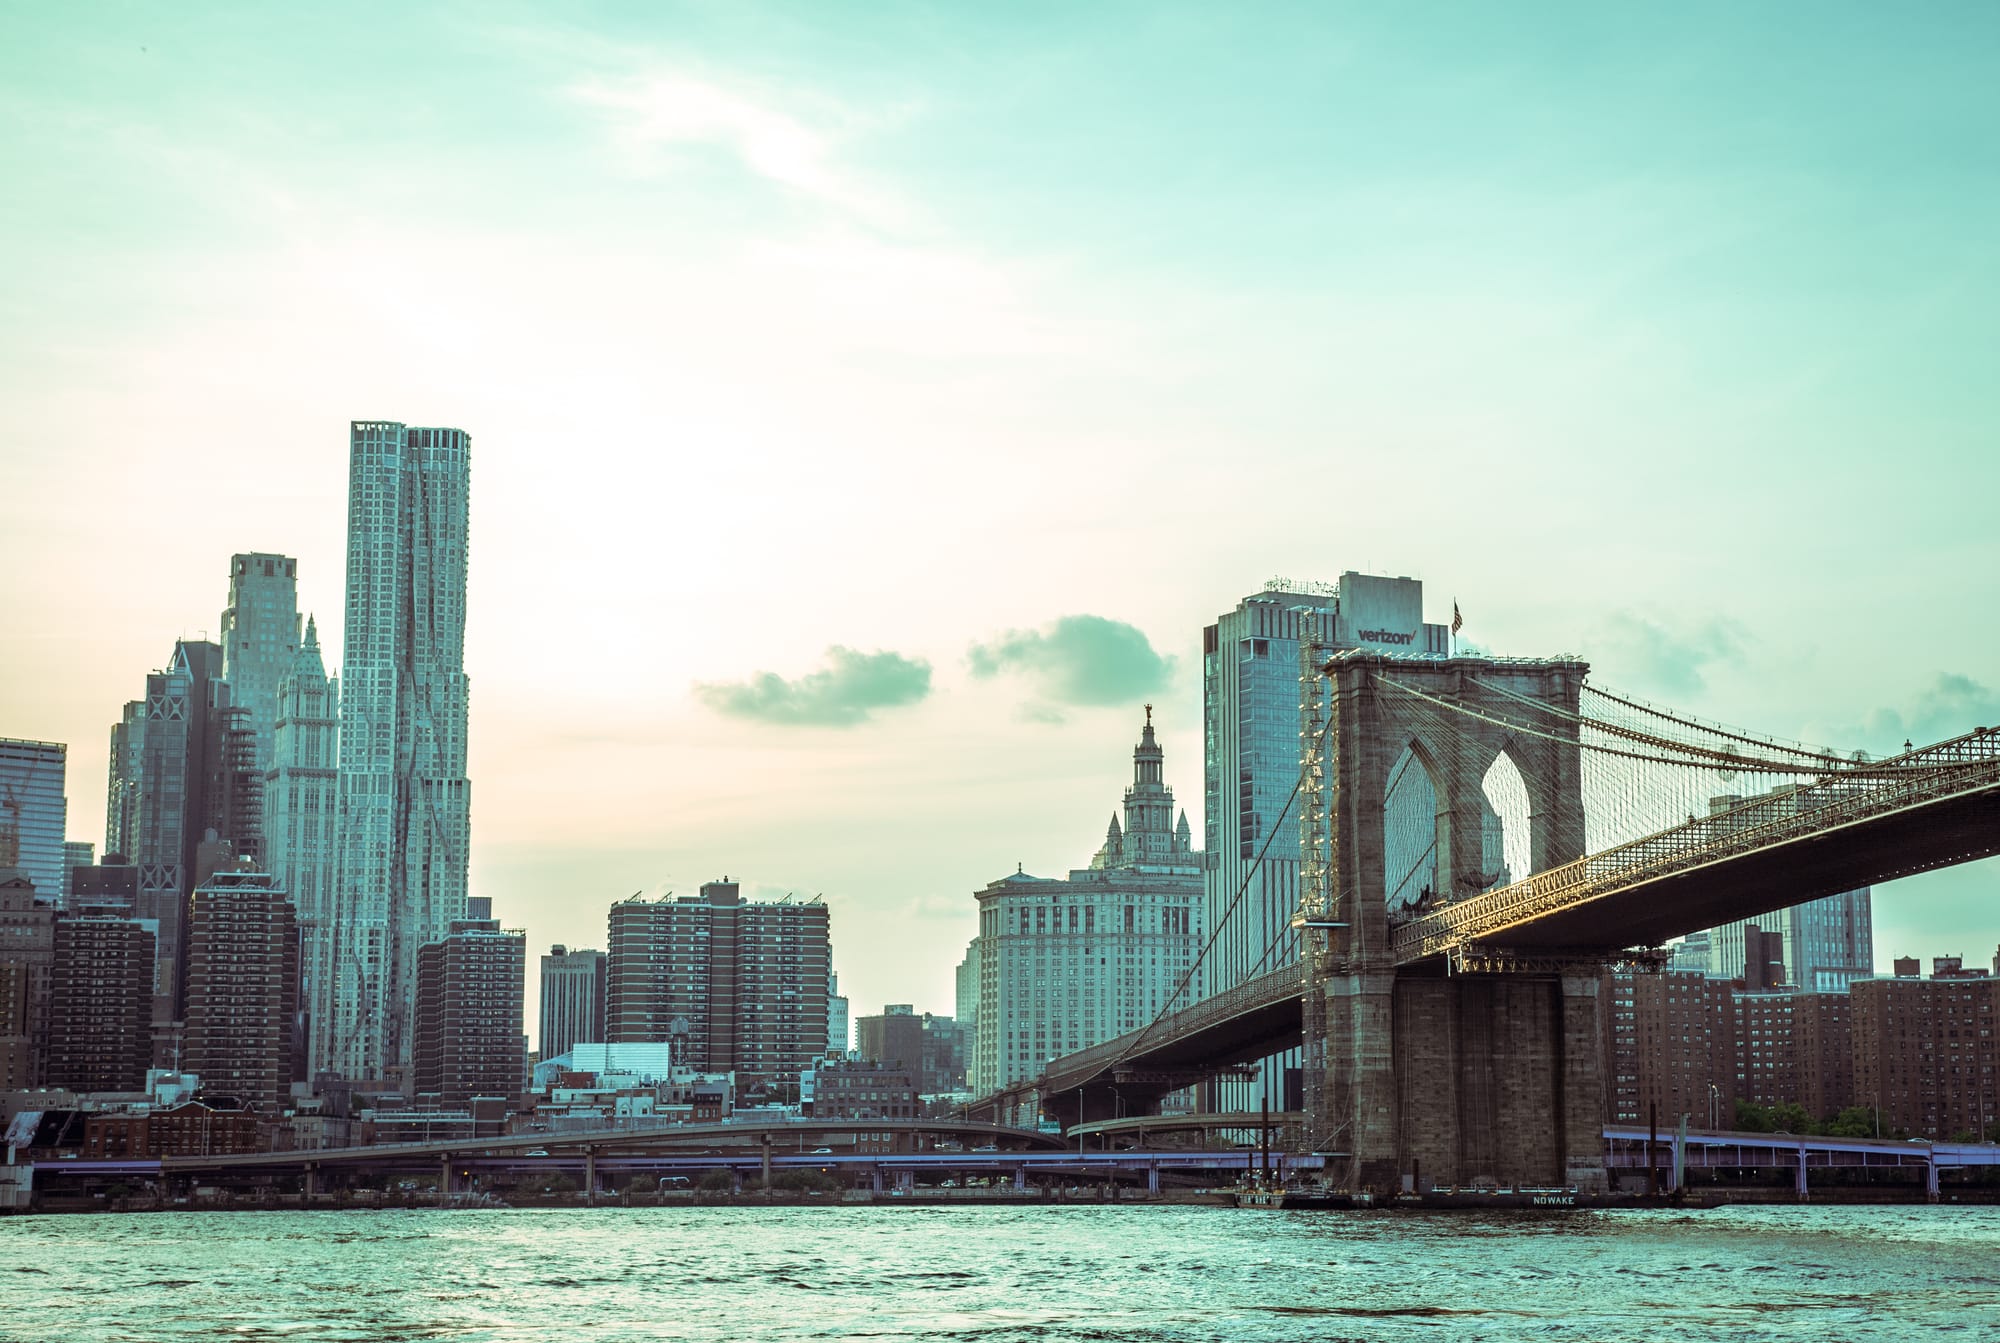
(1000, 1274)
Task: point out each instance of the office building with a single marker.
(242, 986)
(184, 792)
(739, 986)
(1926, 1053)
(27, 949)
(895, 1035)
(1250, 696)
(100, 1001)
(301, 840)
(842, 1088)
(470, 985)
(34, 811)
(76, 853)
(573, 998)
(1069, 963)
(110, 886)
(404, 797)
(260, 636)
(965, 985)
(838, 1033)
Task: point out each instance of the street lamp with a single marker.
(1714, 1098)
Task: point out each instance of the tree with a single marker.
(1753, 1118)
(1791, 1117)
(1856, 1121)
(717, 1182)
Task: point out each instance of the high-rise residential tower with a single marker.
(736, 985)
(242, 985)
(33, 810)
(100, 1001)
(405, 802)
(260, 635)
(1250, 827)
(468, 1038)
(301, 811)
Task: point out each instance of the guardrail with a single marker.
(1963, 764)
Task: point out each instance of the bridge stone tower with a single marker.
(1429, 1070)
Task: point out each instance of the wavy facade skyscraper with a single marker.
(404, 798)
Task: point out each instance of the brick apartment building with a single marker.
(469, 999)
(740, 986)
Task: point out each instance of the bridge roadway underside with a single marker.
(1939, 834)
(1136, 1085)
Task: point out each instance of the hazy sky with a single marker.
(871, 403)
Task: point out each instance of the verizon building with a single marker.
(1250, 829)
(734, 985)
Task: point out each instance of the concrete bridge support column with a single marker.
(1361, 1077)
(1020, 1177)
(444, 1177)
(1799, 1181)
(1467, 1078)
(1580, 1092)
(590, 1177)
(875, 1178)
(311, 1182)
(1152, 1177)
(1931, 1178)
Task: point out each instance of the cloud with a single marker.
(1085, 660)
(852, 686)
(656, 115)
(1950, 706)
(1649, 655)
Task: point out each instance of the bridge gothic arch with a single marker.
(1469, 1077)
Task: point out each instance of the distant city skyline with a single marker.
(852, 475)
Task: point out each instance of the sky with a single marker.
(870, 404)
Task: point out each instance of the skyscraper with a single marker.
(160, 787)
(573, 986)
(1250, 697)
(301, 811)
(405, 802)
(260, 634)
(33, 811)
(1066, 964)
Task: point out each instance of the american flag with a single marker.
(1457, 620)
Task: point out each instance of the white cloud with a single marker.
(653, 116)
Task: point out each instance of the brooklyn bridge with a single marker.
(1454, 1029)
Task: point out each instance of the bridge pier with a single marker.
(1468, 1078)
